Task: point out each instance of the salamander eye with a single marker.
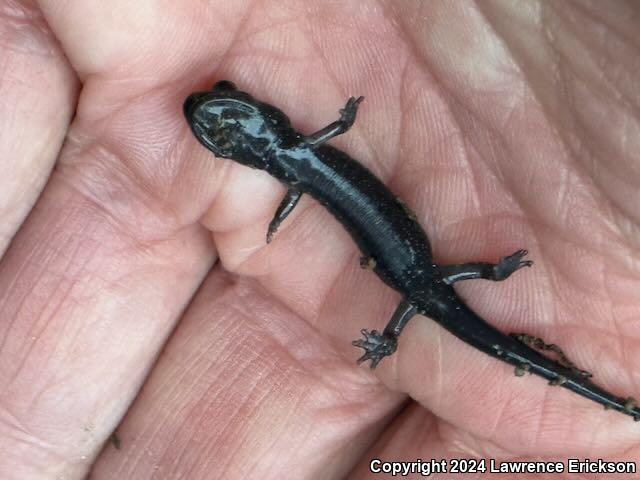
(224, 85)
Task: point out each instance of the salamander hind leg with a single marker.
(487, 271)
(378, 345)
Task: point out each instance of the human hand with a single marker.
(502, 126)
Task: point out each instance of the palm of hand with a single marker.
(496, 138)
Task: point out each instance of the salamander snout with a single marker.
(231, 125)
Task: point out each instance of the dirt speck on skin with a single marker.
(368, 263)
(115, 440)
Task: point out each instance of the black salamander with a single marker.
(234, 125)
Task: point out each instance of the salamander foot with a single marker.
(509, 264)
(376, 346)
(344, 123)
(348, 113)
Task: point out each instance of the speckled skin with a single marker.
(234, 125)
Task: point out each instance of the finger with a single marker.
(104, 264)
(38, 91)
(247, 386)
(95, 281)
(85, 307)
(144, 43)
(102, 268)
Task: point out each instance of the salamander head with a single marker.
(234, 125)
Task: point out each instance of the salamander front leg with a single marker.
(347, 117)
(488, 271)
(286, 206)
(378, 345)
